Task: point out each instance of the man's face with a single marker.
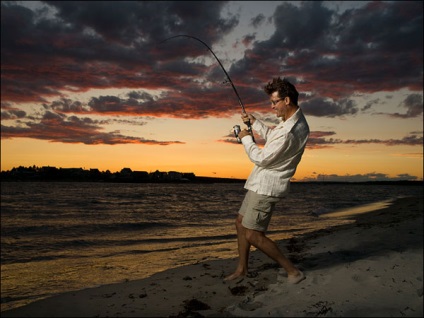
(279, 105)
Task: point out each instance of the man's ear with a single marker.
(287, 100)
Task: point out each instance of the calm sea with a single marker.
(59, 237)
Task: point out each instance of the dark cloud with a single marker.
(12, 114)
(92, 44)
(258, 20)
(320, 107)
(369, 105)
(374, 48)
(301, 27)
(66, 105)
(248, 39)
(319, 140)
(406, 141)
(75, 46)
(57, 127)
(414, 106)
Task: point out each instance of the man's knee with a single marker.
(253, 237)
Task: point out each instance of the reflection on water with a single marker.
(365, 208)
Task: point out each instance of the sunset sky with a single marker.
(92, 85)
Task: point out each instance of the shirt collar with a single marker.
(289, 123)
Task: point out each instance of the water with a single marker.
(59, 237)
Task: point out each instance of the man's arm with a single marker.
(257, 125)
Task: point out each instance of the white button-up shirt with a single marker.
(277, 161)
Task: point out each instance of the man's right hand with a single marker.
(248, 118)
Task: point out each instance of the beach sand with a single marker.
(372, 267)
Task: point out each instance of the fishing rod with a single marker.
(236, 128)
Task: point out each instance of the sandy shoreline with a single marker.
(370, 268)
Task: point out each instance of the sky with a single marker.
(107, 85)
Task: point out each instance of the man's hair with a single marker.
(284, 89)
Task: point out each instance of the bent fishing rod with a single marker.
(249, 126)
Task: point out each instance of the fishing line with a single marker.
(222, 67)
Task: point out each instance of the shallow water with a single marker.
(59, 237)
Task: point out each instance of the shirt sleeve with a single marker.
(262, 129)
(272, 153)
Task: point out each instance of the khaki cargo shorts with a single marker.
(256, 210)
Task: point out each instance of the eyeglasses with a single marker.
(275, 102)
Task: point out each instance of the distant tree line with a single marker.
(48, 173)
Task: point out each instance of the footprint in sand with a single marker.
(357, 278)
(248, 306)
(321, 279)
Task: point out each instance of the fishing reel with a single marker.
(237, 130)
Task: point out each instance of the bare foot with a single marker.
(296, 279)
(234, 276)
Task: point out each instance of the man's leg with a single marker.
(243, 250)
(267, 246)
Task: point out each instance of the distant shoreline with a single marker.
(127, 175)
(224, 180)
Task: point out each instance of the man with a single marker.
(269, 180)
